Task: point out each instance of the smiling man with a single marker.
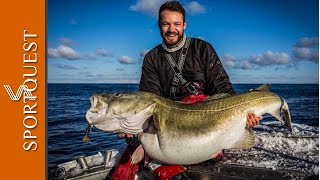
(182, 69)
(172, 27)
(182, 66)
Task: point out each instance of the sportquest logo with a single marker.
(28, 92)
(22, 89)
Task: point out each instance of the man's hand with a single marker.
(123, 135)
(252, 120)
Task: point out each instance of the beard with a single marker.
(172, 43)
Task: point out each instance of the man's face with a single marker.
(171, 27)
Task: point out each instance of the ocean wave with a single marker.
(278, 149)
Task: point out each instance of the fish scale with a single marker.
(194, 116)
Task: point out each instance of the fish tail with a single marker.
(283, 114)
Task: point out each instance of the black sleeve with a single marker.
(150, 78)
(217, 79)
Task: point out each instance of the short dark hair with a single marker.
(172, 6)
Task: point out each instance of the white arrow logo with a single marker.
(17, 96)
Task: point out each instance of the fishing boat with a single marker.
(98, 166)
(94, 167)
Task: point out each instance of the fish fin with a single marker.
(247, 141)
(137, 122)
(137, 155)
(156, 121)
(264, 87)
(218, 96)
(142, 115)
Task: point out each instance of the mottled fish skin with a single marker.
(179, 133)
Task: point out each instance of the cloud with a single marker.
(90, 56)
(66, 41)
(104, 52)
(306, 54)
(228, 60)
(267, 58)
(243, 65)
(53, 53)
(97, 77)
(119, 69)
(147, 7)
(93, 75)
(152, 7)
(63, 52)
(126, 60)
(143, 53)
(307, 49)
(66, 66)
(194, 8)
(109, 60)
(90, 74)
(307, 42)
(270, 58)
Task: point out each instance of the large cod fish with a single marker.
(179, 133)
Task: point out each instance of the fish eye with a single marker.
(117, 94)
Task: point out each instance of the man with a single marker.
(182, 69)
(202, 68)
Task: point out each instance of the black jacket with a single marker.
(202, 65)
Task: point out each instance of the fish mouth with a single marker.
(96, 112)
(92, 116)
(94, 102)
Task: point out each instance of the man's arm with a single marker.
(149, 77)
(218, 82)
(217, 79)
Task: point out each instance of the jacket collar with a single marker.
(179, 46)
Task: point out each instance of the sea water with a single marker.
(275, 146)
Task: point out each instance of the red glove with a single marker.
(166, 171)
(194, 98)
(125, 170)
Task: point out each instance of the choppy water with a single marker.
(68, 103)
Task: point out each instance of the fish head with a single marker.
(120, 112)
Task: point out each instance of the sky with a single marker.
(265, 41)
